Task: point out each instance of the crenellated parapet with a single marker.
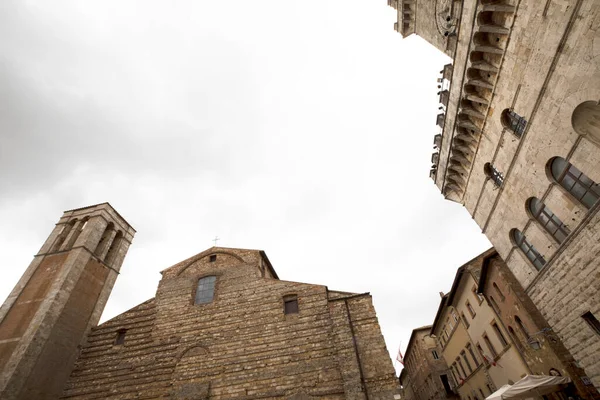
(406, 16)
(444, 94)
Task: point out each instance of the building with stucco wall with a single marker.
(429, 375)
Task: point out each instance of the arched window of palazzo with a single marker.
(547, 219)
(63, 235)
(582, 188)
(527, 249)
(513, 122)
(492, 173)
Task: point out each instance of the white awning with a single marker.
(497, 395)
(530, 386)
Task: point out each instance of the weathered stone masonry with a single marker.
(241, 345)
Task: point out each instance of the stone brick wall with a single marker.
(425, 370)
(241, 345)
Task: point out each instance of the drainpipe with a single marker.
(360, 370)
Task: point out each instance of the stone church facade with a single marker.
(519, 145)
(224, 326)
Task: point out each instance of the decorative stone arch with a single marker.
(590, 91)
(585, 120)
(192, 351)
(187, 380)
(203, 256)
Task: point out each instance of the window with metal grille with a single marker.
(513, 122)
(435, 355)
(206, 290)
(491, 172)
(528, 250)
(575, 182)
(290, 304)
(549, 221)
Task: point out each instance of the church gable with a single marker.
(222, 327)
(217, 257)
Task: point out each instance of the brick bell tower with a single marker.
(58, 299)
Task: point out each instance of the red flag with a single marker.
(490, 360)
(399, 357)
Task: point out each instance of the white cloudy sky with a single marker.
(301, 128)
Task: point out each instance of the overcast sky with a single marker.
(304, 129)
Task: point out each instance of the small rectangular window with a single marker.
(464, 318)
(435, 355)
(212, 258)
(470, 349)
(490, 346)
(290, 304)
(462, 368)
(592, 321)
(482, 354)
(478, 296)
(470, 308)
(120, 339)
(463, 354)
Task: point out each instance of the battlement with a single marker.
(444, 94)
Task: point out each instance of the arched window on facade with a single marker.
(63, 235)
(549, 221)
(104, 239)
(205, 291)
(493, 174)
(514, 337)
(585, 120)
(513, 122)
(79, 226)
(521, 327)
(574, 181)
(494, 304)
(527, 248)
(114, 248)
